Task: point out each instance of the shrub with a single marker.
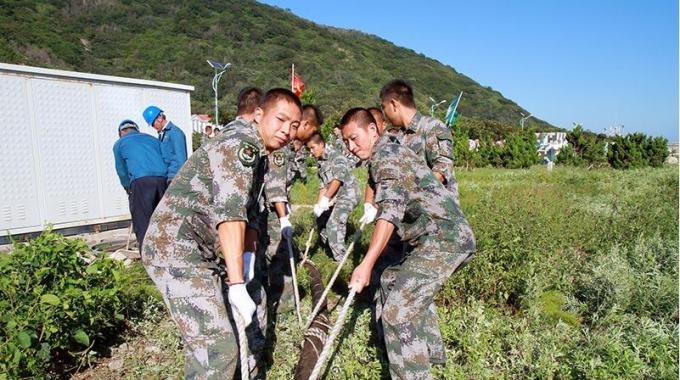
(55, 306)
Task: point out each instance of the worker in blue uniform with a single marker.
(173, 141)
(141, 171)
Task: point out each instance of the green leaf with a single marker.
(92, 269)
(24, 339)
(81, 337)
(50, 299)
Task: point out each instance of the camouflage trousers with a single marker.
(332, 226)
(452, 186)
(196, 298)
(277, 277)
(409, 316)
(394, 254)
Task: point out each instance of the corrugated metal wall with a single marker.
(56, 160)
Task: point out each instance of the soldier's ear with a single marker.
(394, 103)
(373, 128)
(259, 112)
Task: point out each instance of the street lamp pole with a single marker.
(220, 69)
(435, 105)
(522, 120)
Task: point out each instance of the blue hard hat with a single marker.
(127, 123)
(151, 113)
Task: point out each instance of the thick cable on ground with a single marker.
(296, 293)
(331, 338)
(242, 344)
(357, 235)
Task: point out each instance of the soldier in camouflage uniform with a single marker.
(297, 165)
(428, 137)
(209, 205)
(310, 123)
(394, 250)
(338, 186)
(337, 143)
(274, 220)
(415, 203)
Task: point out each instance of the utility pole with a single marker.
(220, 69)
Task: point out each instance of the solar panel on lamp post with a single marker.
(220, 69)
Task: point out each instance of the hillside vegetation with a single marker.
(576, 277)
(171, 40)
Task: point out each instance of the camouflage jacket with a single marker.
(275, 178)
(334, 165)
(220, 182)
(411, 197)
(337, 143)
(297, 165)
(430, 139)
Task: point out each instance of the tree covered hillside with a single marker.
(170, 40)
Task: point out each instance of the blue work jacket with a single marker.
(173, 148)
(138, 155)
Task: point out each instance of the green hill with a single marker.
(171, 40)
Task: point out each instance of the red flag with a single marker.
(298, 85)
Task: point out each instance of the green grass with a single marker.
(576, 276)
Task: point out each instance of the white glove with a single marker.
(322, 206)
(370, 213)
(248, 266)
(241, 301)
(286, 228)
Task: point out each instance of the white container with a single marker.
(58, 129)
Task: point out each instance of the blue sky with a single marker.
(600, 63)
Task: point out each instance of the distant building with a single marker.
(199, 122)
(549, 145)
(674, 156)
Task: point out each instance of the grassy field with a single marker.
(576, 276)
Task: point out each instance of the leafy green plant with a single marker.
(58, 302)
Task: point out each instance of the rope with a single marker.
(309, 242)
(296, 292)
(331, 338)
(317, 307)
(242, 343)
(127, 245)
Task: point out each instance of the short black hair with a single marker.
(374, 111)
(248, 100)
(359, 115)
(276, 94)
(312, 112)
(400, 90)
(315, 138)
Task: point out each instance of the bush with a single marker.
(55, 306)
(196, 140)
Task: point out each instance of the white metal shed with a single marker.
(58, 129)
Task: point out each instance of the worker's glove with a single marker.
(322, 206)
(241, 301)
(286, 228)
(370, 213)
(248, 266)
